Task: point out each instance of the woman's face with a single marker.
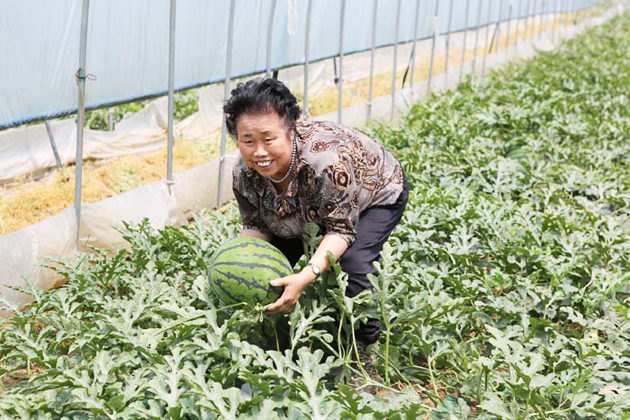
(265, 144)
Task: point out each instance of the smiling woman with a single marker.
(292, 172)
(265, 145)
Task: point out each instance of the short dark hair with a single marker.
(260, 96)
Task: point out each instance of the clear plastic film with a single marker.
(127, 49)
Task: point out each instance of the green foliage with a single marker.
(503, 294)
(97, 119)
(185, 103)
(128, 179)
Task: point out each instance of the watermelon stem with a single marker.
(366, 377)
(339, 346)
(387, 326)
(368, 381)
(177, 324)
(163, 330)
(275, 332)
(387, 355)
(222, 308)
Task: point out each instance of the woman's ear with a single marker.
(290, 128)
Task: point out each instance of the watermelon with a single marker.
(241, 269)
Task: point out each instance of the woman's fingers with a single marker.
(278, 282)
(293, 286)
(281, 305)
(285, 303)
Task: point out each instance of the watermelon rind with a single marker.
(241, 269)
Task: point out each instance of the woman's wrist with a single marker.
(308, 275)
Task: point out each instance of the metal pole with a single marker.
(340, 84)
(270, 36)
(477, 30)
(529, 14)
(583, 7)
(542, 19)
(461, 65)
(534, 21)
(565, 12)
(509, 26)
(81, 75)
(171, 82)
(527, 3)
(563, 8)
(448, 42)
(110, 119)
(497, 29)
(578, 10)
(53, 144)
(436, 28)
(413, 48)
(552, 17)
(395, 59)
(555, 17)
(560, 18)
(307, 55)
(518, 22)
(554, 22)
(485, 46)
(226, 94)
(371, 92)
(547, 13)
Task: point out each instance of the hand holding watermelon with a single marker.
(241, 269)
(294, 284)
(293, 287)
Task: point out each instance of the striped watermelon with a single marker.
(242, 268)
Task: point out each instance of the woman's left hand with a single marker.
(293, 287)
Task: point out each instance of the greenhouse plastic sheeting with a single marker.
(197, 188)
(128, 43)
(27, 150)
(100, 221)
(24, 253)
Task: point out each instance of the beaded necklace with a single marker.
(290, 166)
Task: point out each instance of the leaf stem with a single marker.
(177, 324)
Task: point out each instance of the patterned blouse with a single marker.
(340, 173)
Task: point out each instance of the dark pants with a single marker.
(375, 225)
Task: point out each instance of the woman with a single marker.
(293, 172)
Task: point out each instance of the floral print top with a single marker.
(339, 173)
